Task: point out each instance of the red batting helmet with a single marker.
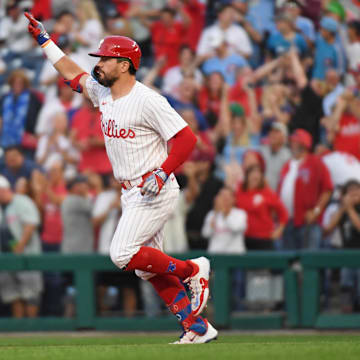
(119, 46)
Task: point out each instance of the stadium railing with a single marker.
(313, 265)
(84, 266)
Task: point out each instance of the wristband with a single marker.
(52, 51)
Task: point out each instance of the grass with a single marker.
(142, 347)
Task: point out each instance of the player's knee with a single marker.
(120, 256)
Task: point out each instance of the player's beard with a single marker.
(107, 81)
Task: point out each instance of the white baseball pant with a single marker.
(142, 222)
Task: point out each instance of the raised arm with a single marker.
(298, 70)
(67, 68)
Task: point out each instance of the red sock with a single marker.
(173, 293)
(155, 261)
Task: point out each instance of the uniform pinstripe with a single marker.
(136, 129)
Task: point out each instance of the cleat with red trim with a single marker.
(199, 285)
(193, 336)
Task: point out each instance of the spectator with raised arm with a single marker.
(343, 125)
(306, 98)
(167, 35)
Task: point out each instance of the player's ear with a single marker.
(124, 66)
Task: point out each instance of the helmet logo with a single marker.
(100, 43)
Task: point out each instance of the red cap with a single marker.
(302, 137)
(119, 46)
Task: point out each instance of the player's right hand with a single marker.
(37, 30)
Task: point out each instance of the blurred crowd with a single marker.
(270, 88)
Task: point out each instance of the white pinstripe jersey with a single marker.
(136, 128)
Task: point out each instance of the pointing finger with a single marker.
(31, 19)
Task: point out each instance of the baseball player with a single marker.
(137, 122)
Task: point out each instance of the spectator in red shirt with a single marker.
(42, 9)
(260, 202)
(210, 97)
(195, 10)
(344, 125)
(168, 36)
(51, 198)
(305, 188)
(88, 138)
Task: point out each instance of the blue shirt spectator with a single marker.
(15, 166)
(226, 66)
(306, 28)
(278, 45)
(304, 25)
(281, 40)
(326, 53)
(262, 13)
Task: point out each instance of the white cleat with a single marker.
(190, 337)
(199, 285)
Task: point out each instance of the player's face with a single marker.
(107, 70)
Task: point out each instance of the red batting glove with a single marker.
(37, 30)
(153, 184)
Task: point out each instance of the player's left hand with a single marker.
(36, 29)
(153, 184)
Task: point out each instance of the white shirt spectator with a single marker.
(174, 230)
(353, 58)
(173, 77)
(54, 153)
(226, 234)
(235, 36)
(342, 167)
(102, 203)
(288, 187)
(330, 99)
(92, 33)
(334, 238)
(51, 107)
(16, 34)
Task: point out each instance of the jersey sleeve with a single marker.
(162, 117)
(93, 89)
